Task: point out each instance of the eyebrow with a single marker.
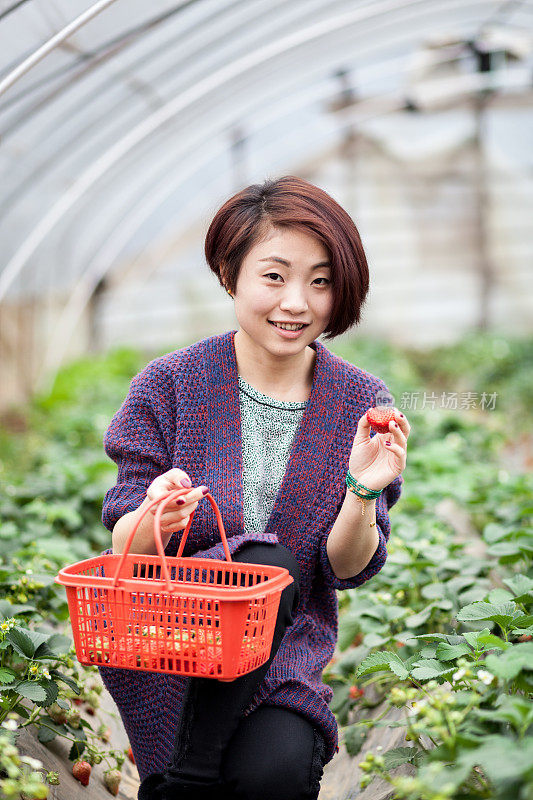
(288, 263)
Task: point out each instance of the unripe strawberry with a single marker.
(355, 692)
(93, 699)
(82, 772)
(74, 718)
(104, 732)
(57, 713)
(112, 778)
(379, 418)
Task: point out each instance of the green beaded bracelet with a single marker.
(356, 487)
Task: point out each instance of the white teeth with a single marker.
(286, 327)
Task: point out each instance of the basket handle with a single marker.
(163, 502)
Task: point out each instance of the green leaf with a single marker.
(354, 738)
(398, 756)
(54, 673)
(341, 694)
(525, 621)
(31, 690)
(20, 642)
(426, 669)
(7, 675)
(76, 750)
(59, 644)
(48, 732)
(384, 660)
(21, 711)
(509, 664)
(489, 641)
(516, 710)
(51, 688)
(445, 652)
(502, 613)
(520, 585)
(501, 760)
(6, 610)
(433, 591)
(499, 595)
(418, 619)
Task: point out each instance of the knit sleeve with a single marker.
(135, 440)
(388, 497)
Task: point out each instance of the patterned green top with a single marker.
(268, 430)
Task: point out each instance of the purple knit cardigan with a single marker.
(183, 411)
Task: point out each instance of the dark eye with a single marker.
(272, 275)
(323, 279)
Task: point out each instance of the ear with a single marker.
(222, 271)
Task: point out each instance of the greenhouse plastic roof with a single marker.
(122, 119)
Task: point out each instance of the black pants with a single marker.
(273, 752)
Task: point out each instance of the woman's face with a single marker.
(298, 291)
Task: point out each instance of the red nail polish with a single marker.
(388, 444)
(180, 501)
(204, 490)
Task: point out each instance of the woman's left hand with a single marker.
(373, 462)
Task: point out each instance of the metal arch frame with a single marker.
(52, 43)
(109, 251)
(109, 43)
(376, 67)
(59, 149)
(178, 104)
(139, 185)
(62, 151)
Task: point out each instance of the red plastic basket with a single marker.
(184, 616)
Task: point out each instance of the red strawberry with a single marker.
(82, 771)
(112, 780)
(130, 755)
(355, 692)
(379, 418)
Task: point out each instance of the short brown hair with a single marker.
(292, 202)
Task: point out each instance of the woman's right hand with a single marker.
(175, 516)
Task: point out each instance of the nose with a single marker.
(294, 299)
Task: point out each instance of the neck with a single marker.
(282, 377)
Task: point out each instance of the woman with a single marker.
(273, 424)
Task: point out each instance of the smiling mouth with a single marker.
(288, 327)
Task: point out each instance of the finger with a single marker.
(160, 491)
(395, 429)
(193, 496)
(399, 451)
(363, 429)
(177, 525)
(177, 478)
(172, 479)
(401, 419)
(179, 518)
